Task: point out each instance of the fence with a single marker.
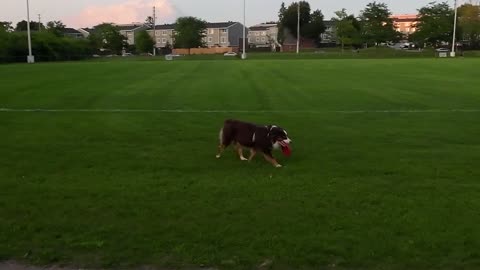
(194, 51)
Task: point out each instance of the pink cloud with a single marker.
(126, 12)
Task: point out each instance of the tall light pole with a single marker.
(154, 31)
(30, 57)
(244, 53)
(298, 28)
(452, 54)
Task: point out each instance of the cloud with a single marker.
(125, 12)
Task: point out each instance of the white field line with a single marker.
(186, 111)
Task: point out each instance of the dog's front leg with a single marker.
(270, 159)
(240, 152)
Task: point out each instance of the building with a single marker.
(405, 23)
(73, 33)
(329, 36)
(263, 35)
(130, 30)
(127, 30)
(163, 34)
(86, 31)
(222, 34)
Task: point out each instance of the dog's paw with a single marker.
(218, 156)
(278, 166)
(243, 159)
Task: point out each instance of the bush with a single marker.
(46, 46)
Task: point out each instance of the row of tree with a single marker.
(434, 25)
(105, 38)
(375, 25)
(49, 44)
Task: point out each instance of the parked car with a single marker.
(230, 54)
(442, 50)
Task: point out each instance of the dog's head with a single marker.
(280, 139)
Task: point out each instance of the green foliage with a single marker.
(469, 23)
(315, 27)
(435, 24)
(34, 26)
(56, 27)
(144, 42)
(348, 28)
(311, 24)
(106, 36)
(46, 46)
(6, 27)
(377, 26)
(189, 32)
(281, 26)
(149, 22)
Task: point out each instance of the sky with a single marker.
(85, 13)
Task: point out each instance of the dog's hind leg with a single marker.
(222, 145)
(253, 152)
(221, 148)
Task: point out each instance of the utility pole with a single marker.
(244, 53)
(154, 32)
(454, 29)
(39, 22)
(298, 28)
(30, 58)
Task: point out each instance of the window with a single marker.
(263, 39)
(224, 31)
(210, 39)
(258, 39)
(264, 33)
(223, 40)
(164, 40)
(157, 33)
(164, 32)
(211, 31)
(257, 34)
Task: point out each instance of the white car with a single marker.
(442, 50)
(230, 54)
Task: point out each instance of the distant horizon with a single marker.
(88, 13)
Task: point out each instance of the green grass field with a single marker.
(384, 174)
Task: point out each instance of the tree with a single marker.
(6, 26)
(311, 24)
(189, 32)
(34, 26)
(377, 26)
(281, 27)
(435, 24)
(469, 23)
(107, 36)
(144, 42)
(149, 22)
(348, 28)
(56, 27)
(315, 27)
(290, 17)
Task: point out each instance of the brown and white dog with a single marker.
(257, 138)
